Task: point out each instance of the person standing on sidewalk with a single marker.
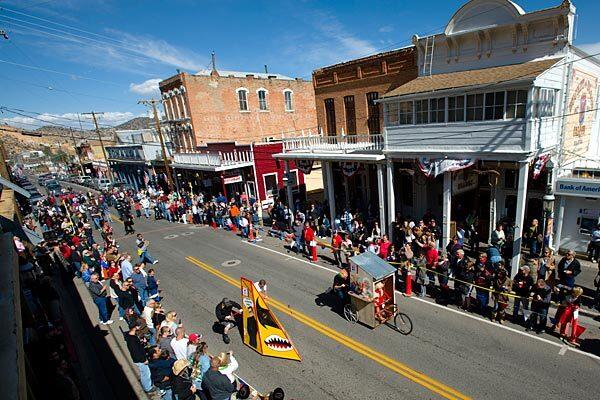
(145, 203)
(98, 291)
(138, 356)
(541, 295)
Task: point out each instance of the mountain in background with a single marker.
(136, 123)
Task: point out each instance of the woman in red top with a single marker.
(384, 247)
(309, 237)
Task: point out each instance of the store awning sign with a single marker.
(577, 187)
(464, 181)
(232, 179)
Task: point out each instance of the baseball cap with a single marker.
(194, 337)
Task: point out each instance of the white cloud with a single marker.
(326, 41)
(386, 29)
(68, 120)
(116, 50)
(149, 86)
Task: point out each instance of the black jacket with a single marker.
(574, 266)
(522, 284)
(136, 348)
(217, 385)
(222, 312)
(181, 386)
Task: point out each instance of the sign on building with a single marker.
(578, 187)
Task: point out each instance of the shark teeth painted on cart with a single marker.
(277, 343)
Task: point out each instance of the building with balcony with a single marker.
(218, 105)
(498, 91)
(137, 158)
(232, 169)
(500, 105)
(347, 147)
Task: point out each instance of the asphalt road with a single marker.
(448, 355)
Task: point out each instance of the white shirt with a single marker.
(257, 286)
(180, 348)
(147, 315)
(230, 368)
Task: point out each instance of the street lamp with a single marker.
(548, 205)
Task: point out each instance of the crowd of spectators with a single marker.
(477, 281)
(172, 362)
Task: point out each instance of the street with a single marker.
(448, 355)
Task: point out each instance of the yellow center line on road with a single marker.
(383, 360)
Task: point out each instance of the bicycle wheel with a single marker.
(403, 324)
(350, 313)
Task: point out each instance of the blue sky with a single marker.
(69, 56)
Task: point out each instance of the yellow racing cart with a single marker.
(372, 299)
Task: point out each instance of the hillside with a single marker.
(136, 123)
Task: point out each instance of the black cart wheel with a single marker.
(350, 313)
(403, 324)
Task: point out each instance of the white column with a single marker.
(175, 98)
(288, 185)
(559, 223)
(447, 207)
(172, 108)
(166, 107)
(185, 114)
(380, 190)
(520, 217)
(328, 170)
(391, 198)
(492, 224)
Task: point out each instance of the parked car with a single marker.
(52, 185)
(82, 179)
(103, 184)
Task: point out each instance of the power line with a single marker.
(60, 72)
(134, 53)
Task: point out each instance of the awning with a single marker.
(212, 168)
(330, 156)
(16, 188)
(473, 78)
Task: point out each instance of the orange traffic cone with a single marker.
(251, 233)
(408, 283)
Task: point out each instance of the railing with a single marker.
(342, 142)
(214, 159)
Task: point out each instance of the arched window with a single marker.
(288, 99)
(262, 99)
(242, 94)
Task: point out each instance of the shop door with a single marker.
(251, 191)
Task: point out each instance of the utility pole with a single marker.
(153, 103)
(76, 153)
(93, 114)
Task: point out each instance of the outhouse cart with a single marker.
(372, 300)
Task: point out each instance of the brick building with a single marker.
(217, 105)
(351, 122)
(345, 93)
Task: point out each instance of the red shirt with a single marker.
(431, 257)
(384, 248)
(336, 241)
(309, 235)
